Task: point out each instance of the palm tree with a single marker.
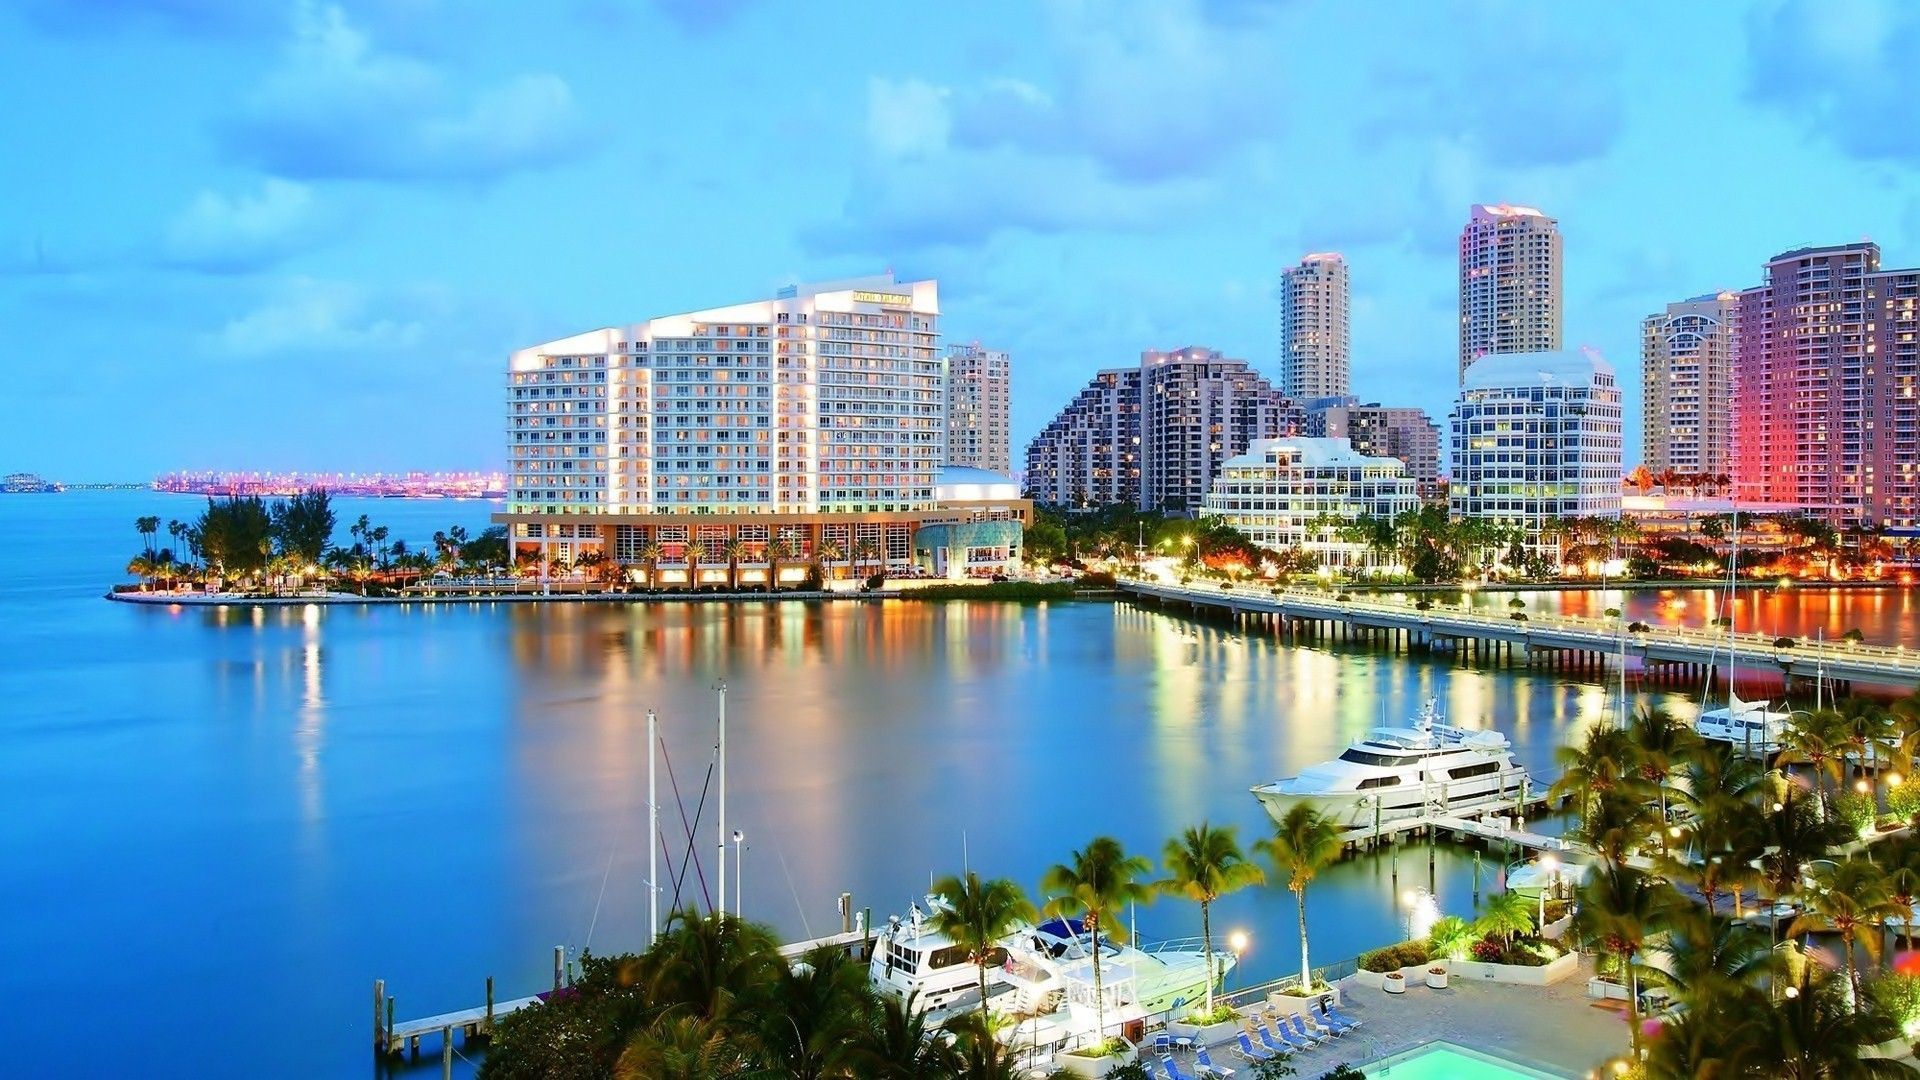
(1096, 884)
(1506, 914)
(1809, 1033)
(822, 1009)
(1304, 843)
(976, 915)
(695, 553)
(178, 530)
(1618, 908)
(1850, 899)
(1789, 838)
(864, 552)
(147, 526)
(715, 967)
(1602, 762)
(1819, 739)
(779, 551)
(1718, 783)
(650, 557)
(978, 1052)
(902, 1047)
(1660, 744)
(1706, 958)
(1203, 864)
(1867, 725)
(143, 567)
(830, 552)
(735, 551)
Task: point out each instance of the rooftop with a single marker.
(1527, 369)
(1313, 453)
(1494, 211)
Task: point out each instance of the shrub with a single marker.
(1395, 957)
(1343, 1071)
(1557, 909)
(1424, 605)
(1904, 800)
(1898, 996)
(1784, 643)
(1222, 1013)
(1519, 616)
(1488, 950)
(1853, 636)
(1638, 628)
(1450, 938)
(876, 581)
(1516, 603)
(1344, 597)
(1097, 579)
(1856, 810)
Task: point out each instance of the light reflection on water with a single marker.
(274, 807)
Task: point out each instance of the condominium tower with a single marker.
(1686, 364)
(1537, 437)
(813, 423)
(1089, 454)
(1314, 342)
(1382, 431)
(1826, 369)
(1509, 283)
(1155, 435)
(979, 399)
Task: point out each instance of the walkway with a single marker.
(1440, 627)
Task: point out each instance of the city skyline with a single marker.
(348, 210)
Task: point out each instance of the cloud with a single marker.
(307, 315)
(1554, 97)
(909, 118)
(339, 108)
(1845, 70)
(1148, 90)
(230, 234)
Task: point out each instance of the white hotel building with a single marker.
(811, 424)
(1282, 492)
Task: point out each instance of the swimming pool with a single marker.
(1446, 1061)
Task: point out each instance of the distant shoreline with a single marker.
(967, 592)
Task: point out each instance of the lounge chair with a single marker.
(1163, 1041)
(1205, 1061)
(1297, 1032)
(1339, 1025)
(1307, 1029)
(1334, 1015)
(1251, 1052)
(1283, 1044)
(1172, 1070)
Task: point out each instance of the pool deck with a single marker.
(1555, 1029)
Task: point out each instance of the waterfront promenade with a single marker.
(1445, 628)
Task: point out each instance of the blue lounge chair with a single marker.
(1334, 1015)
(1205, 1061)
(1252, 1052)
(1283, 1044)
(1172, 1070)
(1336, 1024)
(1311, 1032)
(1284, 1025)
(1163, 1041)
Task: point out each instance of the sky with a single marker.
(265, 234)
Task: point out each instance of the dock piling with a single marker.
(559, 965)
(489, 1028)
(446, 1053)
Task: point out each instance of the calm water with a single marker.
(243, 818)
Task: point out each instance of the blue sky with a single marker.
(245, 233)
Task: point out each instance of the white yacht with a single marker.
(910, 958)
(1751, 725)
(1399, 772)
(1050, 967)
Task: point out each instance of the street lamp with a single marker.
(1237, 942)
(739, 844)
(1550, 866)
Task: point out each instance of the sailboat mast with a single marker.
(720, 895)
(653, 829)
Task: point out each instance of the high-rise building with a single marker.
(1826, 369)
(1198, 409)
(1155, 435)
(979, 400)
(1314, 342)
(1686, 364)
(1382, 431)
(809, 425)
(1284, 492)
(1537, 437)
(1509, 283)
(1089, 454)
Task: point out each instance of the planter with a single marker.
(1394, 983)
(1557, 929)
(1289, 1004)
(1205, 1034)
(1601, 990)
(1094, 1067)
(1437, 977)
(1547, 974)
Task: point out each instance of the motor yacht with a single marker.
(1753, 726)
(913, 962)
(1403, 772)
(1050, 968)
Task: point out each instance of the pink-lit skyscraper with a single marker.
(1826, 369)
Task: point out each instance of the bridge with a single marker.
(1306, 614)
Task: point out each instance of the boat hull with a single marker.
(1355, 809)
